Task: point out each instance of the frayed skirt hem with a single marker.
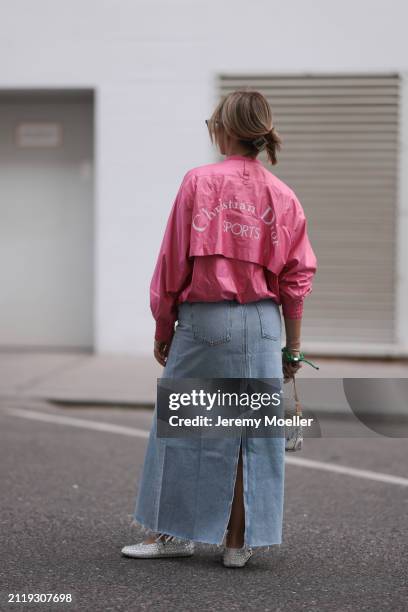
(148, 531)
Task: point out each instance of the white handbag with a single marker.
(294, 433)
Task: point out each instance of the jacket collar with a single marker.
(244, 158)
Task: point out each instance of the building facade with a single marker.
(98, 99)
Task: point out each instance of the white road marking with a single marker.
(142, 433)
(82, 423)
(348, 471)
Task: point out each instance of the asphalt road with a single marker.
(67, 494)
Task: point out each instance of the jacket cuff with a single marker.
(164, 331)
(292, 309)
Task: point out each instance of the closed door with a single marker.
(46, 220)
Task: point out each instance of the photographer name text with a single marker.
(266, 421)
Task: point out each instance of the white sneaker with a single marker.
(236, 557)
(160, 548)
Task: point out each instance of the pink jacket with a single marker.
(235, 232)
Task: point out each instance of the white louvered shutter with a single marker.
(339, 155)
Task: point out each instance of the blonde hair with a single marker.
(246, 115)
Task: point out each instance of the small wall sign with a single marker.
(42, 135)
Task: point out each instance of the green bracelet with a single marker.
(287, 355)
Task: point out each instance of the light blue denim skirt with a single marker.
(187, 484)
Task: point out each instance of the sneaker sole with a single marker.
(161, 556)
(236, 564)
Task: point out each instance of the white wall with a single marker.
(153, 65)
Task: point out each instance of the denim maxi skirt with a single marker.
(187, 484)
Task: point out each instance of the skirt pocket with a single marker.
(269, 320)
(211, 322)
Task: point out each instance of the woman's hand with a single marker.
(290, 368)
(161, 351)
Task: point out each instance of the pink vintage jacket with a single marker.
(235, 232)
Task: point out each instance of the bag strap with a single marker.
(298, 406)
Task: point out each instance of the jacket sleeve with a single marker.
(295, 279)
(173, 266)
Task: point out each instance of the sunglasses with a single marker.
(217, 123)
